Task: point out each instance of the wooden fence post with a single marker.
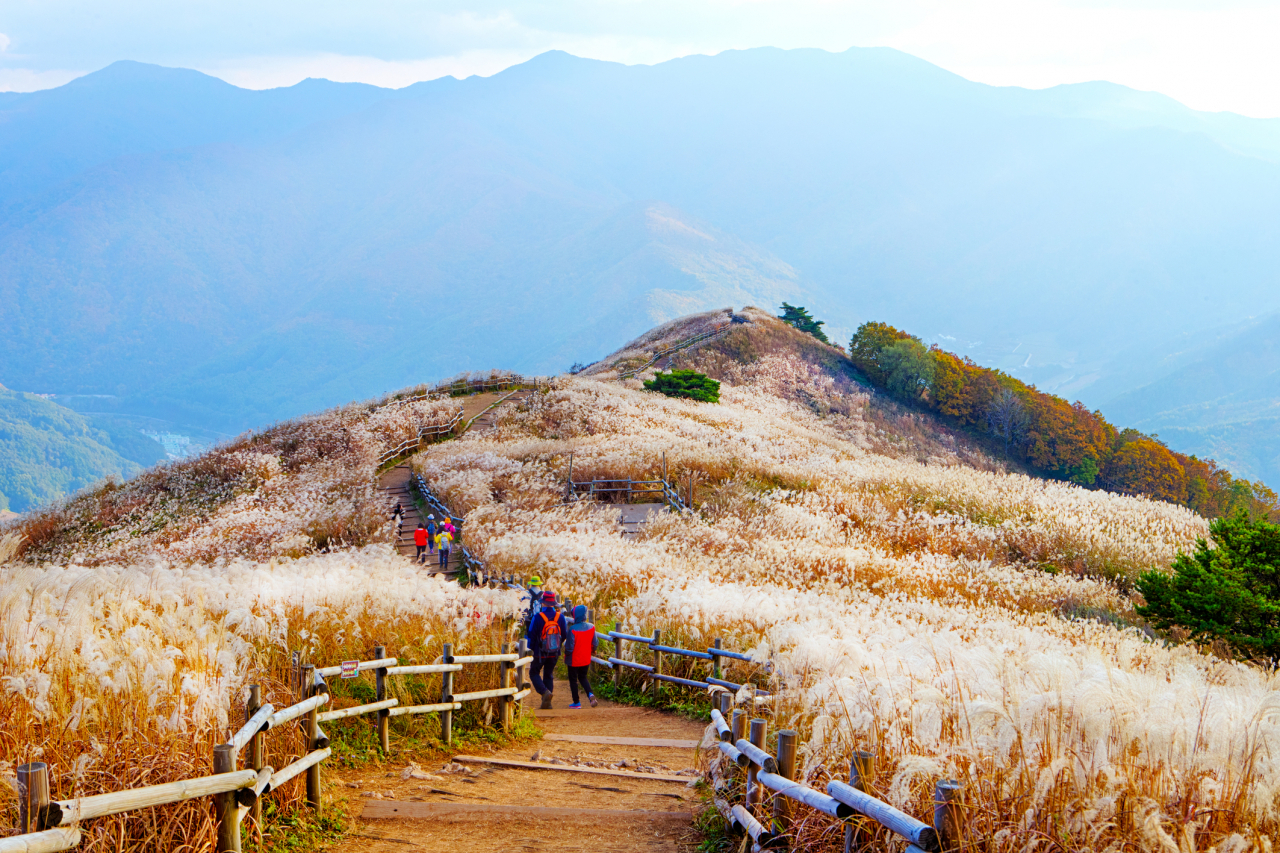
(657, 665)
(522, 674)
(507, 669)
(948, 815)
(617, 652)
(225, 806)
(257, 749)
(726, 702)
(384, 715)
(715, 661)
(759, 731)
(312, 729)
(446, 690)
(33, 796)
(862, 772)
(787, 769)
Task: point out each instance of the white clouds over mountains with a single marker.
(1210, 55)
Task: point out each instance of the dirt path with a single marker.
(395, 481)
(477, 808)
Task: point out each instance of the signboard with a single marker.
(350, 668)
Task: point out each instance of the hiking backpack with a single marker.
(550, 636)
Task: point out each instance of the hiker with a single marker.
(431, 533)
(420, 542)
(546, 635)
(535, 600)
(578, 649)
(444, 542)
(397, 515)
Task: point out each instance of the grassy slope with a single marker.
(48, 451)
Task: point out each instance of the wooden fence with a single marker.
(767, 783)
(505, 382)
(674, 348)
(769, 790)
(426, 434)
(49, 825)
(661, 490)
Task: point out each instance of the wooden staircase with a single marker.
(395, 484)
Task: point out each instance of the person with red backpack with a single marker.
(578, 649)
(547, 632)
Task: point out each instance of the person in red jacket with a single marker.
(420, 542)
(579, 647)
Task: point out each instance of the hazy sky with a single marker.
(1209, 54)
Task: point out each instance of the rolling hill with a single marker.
(227, 258)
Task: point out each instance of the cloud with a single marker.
(1209, 54)
(4, 42)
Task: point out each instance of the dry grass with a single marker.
(912, 597)
(925, 609)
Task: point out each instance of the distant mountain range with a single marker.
(224, 258)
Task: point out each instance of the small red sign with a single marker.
(350, 668)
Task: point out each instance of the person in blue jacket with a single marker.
(548, 632)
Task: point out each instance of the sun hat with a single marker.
(535, 581)
(548, 597)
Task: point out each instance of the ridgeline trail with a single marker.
(479, 413)
(595, 790)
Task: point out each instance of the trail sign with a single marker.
(350, 668)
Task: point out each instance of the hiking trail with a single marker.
(479, 414)
(593, 787)
(467, 807)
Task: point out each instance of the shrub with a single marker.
(686, 383)
(1230, 591)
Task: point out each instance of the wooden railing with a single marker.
(474, 568)
(769, 789)
(660, 490)
(674, 348)
(426, 435)
(506, 382)
(716, 656)
(49, 825)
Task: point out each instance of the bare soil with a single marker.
(473, 832)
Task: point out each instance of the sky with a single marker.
(1210, 54)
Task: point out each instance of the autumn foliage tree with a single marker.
(1053, 437)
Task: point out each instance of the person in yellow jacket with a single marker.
(444, 544)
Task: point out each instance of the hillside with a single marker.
(911, 596)
(534, 217)
(48, 451)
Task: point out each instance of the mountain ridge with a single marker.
(1042, 241)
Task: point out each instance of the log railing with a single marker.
(426, 434)
(770, 791)
(674, 348)
(47, 825)
(476, 571)
(715, 655)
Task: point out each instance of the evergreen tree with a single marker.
(794, 315)
(1230, 591)
(685, 383)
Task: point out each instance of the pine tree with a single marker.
(685, 383)
(794, 315)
